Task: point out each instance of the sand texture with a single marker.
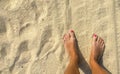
(31, 34)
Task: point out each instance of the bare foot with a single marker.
(70, 45)
(98, 47)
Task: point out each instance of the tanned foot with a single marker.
(97, 49)
(70, 45)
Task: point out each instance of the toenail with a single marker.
(94, 35)
(72, 31)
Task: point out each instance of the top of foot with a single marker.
(70, 44)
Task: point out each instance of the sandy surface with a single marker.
(31, 34)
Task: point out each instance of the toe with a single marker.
(72, 34)
(103, 44)
(64, 37)
(95, 38)
(67, 36)
(100, 40)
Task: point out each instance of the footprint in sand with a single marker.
(2, 25)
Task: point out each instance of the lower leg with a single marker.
(72, 68)
(96, 68)
(70, 46)
(96, 53)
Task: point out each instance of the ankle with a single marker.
(93, 61)
(93, 58)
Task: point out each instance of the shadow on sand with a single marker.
(101, 63)
(84, 66)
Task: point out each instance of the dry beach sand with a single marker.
(31, 34)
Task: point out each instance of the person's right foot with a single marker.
(97, 49)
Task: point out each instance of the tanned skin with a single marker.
(97, 49)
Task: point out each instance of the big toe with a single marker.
(72, 34)
(94, 38)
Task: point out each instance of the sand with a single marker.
(31, 34)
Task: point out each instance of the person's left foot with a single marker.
(70, 45)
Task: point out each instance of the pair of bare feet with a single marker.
(97, 49)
